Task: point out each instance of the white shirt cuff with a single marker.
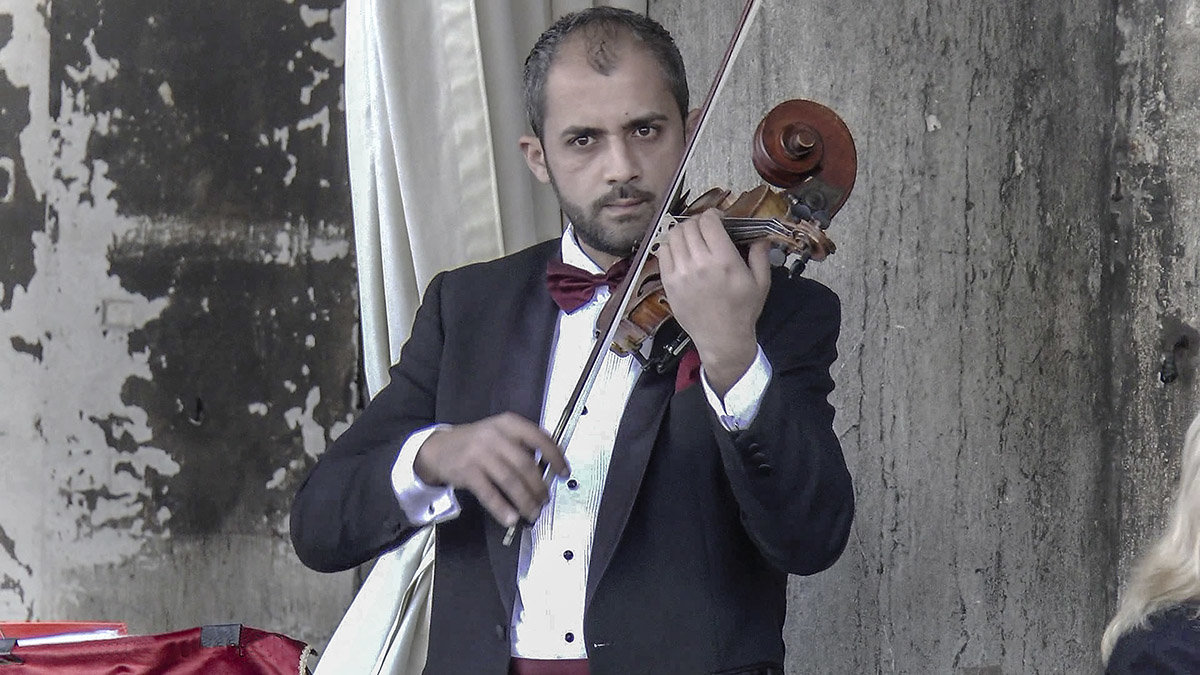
(741, 403)
(422, 504)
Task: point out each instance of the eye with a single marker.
(645, 131)
(581, 141)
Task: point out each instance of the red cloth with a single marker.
(519, 666)
(179, 653)
(689, 370)
(573, 288)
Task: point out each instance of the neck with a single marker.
(603, 260)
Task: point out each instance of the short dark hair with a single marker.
(601, 24)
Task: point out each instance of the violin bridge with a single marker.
(660, 231)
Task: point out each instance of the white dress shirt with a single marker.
(547, 621)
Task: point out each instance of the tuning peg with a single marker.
(799, 211)
(777, 256)
(797, 266)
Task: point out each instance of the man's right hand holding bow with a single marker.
(496, 460)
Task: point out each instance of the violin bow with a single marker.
(607, 332)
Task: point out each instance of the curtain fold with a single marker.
(433, 114)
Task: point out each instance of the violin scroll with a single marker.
(804, 148)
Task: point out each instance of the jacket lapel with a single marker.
(631, 452)
(520, 388)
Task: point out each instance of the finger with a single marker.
(519, 486)
(666, 259)
(492, 500)
(522, 431)
(679, 250)
(519, 466)
(689, 237)
(529, 435)
(712, 230)
(552, 455)
(760, 265)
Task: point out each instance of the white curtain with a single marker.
(433, 113)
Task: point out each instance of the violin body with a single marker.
(802, 147)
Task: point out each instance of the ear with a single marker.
(535, 157)
(693, 119)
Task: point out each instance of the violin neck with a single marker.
(746, 230)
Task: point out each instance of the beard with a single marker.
(619, 239)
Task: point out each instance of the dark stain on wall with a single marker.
(228, 357)
(33, 349)
(21, 214)
(216, 139)
(203, 89)
(7, 582)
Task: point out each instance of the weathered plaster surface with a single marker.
(177, 306)
(1155, 260)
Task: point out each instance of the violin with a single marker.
(802, 147)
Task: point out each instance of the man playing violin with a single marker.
(664, 541)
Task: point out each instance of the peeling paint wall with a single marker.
(178, 318)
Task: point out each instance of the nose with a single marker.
(621, 163)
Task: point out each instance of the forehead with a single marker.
(590, 85)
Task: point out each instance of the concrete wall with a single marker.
(1018, 258)
(178, 317)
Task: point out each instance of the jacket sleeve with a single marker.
(786, 470)
(345, 512)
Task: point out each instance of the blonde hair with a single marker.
(1169, 573)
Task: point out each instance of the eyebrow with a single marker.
(644, 120)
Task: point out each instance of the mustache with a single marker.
(623, 191)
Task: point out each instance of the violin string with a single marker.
(744, 230)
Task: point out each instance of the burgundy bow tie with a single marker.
(573, 288)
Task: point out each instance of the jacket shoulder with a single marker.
(483, 284)
(792, 295)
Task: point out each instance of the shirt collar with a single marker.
(572, 254)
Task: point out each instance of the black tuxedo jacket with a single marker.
(697, 528)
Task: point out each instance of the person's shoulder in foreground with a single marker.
(1168, 643)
